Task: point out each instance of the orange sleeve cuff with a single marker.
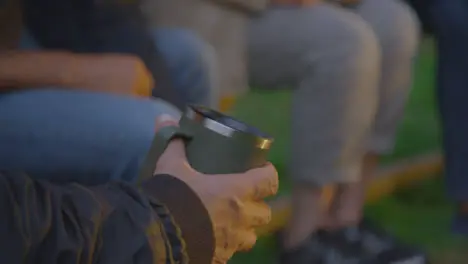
(144, 83)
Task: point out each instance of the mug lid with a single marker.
(226, 125)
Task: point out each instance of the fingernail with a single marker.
(166, 118)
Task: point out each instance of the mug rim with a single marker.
(210, 119)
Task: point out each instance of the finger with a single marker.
(257, 214)
(175, 149)
(165, 120)
(247, 239)
(258, 183)
(226, 243)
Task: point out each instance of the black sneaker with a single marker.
(378, 247)
(322, 248)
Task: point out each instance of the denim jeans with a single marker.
(68, 136)
(450, 20)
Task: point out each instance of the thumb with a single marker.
(175, 148)
(165, 120)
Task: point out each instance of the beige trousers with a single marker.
(350, 71)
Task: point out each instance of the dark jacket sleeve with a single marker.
(100, 26)
(114, 223)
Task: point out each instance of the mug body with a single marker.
(221, 144)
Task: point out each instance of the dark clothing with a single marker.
(422, 8)
(114, 223)
(99, 26)
(450, 20)
(10, 23)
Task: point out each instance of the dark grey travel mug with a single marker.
(215, 143)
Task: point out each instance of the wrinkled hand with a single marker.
(234, 202)
(115, 73)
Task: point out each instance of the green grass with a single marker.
(419, 216)
(422, 216)
(418, 133)
(419, 130)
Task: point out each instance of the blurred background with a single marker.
(417, 212)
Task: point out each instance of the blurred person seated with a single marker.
(450, 23)
(82, 105)
(177, 216)
(350, 68)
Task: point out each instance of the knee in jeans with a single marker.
(191, 61)
(185, 46)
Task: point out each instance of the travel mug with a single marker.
(214, 142)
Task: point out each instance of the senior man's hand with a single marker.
(234, 201)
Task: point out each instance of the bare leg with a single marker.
(306, 214)
(349, 199)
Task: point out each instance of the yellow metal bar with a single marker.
(226, 103)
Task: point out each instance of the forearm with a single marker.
(47, 223)
(189, 213)
(20, 69)
(72, 71)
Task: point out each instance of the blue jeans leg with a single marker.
(450, 20)
(190, 62)
(90, 138)
(75, 136)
